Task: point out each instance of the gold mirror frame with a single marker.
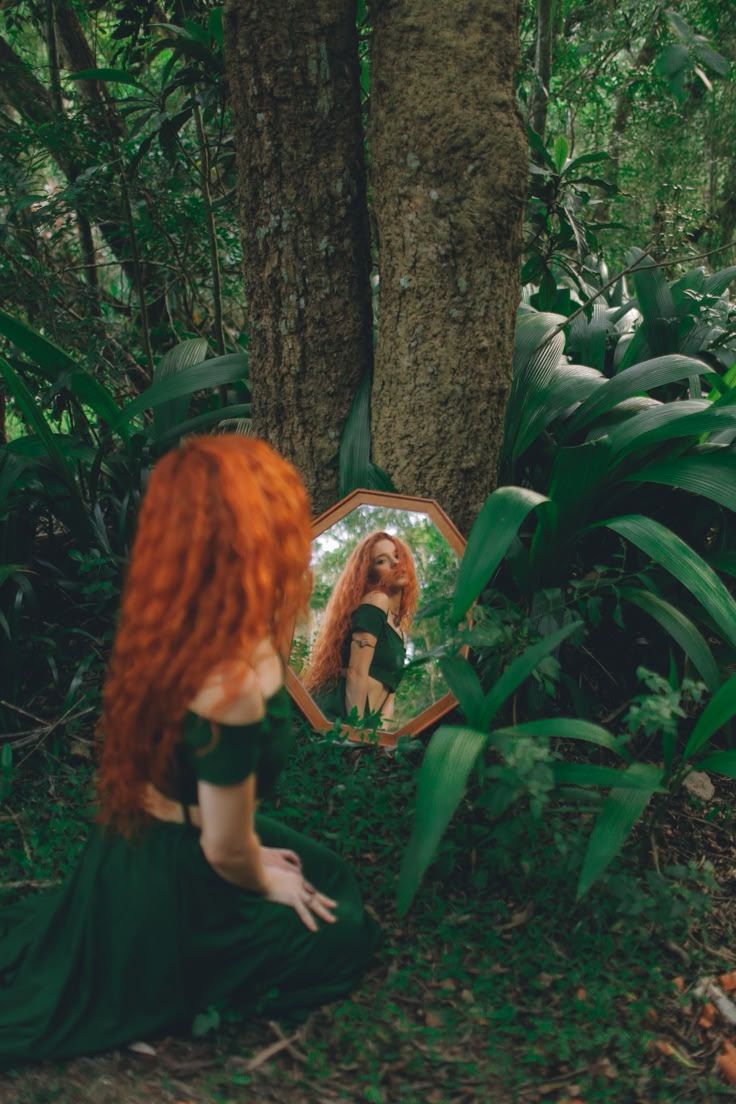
(299, 694)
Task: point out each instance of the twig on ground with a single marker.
(31, 883)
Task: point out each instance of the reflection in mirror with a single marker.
(373, 570)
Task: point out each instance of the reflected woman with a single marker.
(358, 656)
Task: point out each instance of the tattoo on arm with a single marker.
(363, 643)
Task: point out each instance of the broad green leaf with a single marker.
(622, 809)
(538, 347)
(681, 629)
(722, 762)
(719, 281)
(565, 728)
(712, 475)
(588, 774)
(236, 411)
(465, 685)
(443, 777)
(35, 418)
(570, 384)
(26, 404)
(685, 418)
(519, 670)
(685, 565)
(559, 152)
(7, 571)
(497, 524)
(111, 76)
(588, 336)
(578, 478)
(55, 362)
(199, 377)
(182, 357)
(655, 302)
(717, 713)
(356, 467)
(632, 381)
(11, 469)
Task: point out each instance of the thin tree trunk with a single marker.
(84, 229)
(293, 77)
(209, 217)
(449, 168)
(542, 66)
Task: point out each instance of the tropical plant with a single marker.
(69, 493)
(530, 766)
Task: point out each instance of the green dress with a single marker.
(387, 664)
(145, 934)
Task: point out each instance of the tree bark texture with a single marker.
(293, 77)
(448, 176)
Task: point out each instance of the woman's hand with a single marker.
(280, 858)
(160, 807)
(287, 887)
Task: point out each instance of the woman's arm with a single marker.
(362, 646)
(228, 838)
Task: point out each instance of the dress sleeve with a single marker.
(368, 618)
(224, 754)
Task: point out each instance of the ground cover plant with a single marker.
(496, 986)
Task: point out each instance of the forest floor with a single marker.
(496, 988)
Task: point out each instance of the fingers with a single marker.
(319, 908)
(305, 915)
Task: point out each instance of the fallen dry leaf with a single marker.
(699, 785)
(432, 1019)
(727, 981)
(727, 1062)
(679, 984)
(581, 994)
(670, 1051)
(142, 1048)
(708, 1015)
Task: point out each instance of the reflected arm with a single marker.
(362, 647)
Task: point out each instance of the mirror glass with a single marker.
(350, 562)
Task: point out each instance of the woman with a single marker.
(162, 919)
(358, 656)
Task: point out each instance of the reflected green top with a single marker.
(387, 665)
(225, 754)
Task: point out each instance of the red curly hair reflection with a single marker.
(220, 562)
(356, 581)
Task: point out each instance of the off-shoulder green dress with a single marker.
(387, 663)
(145, 934)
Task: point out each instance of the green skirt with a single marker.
(145, 934)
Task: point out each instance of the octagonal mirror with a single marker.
(357, 662)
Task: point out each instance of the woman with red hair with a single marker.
(358, 656)
(162, 919)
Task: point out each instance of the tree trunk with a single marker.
(293, 77)
(449, 167)
(542, 66)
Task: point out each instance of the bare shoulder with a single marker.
(376, 598)
(256, 681)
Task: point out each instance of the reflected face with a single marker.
(384, 563)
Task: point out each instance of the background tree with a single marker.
(448, 173)
(293, 77)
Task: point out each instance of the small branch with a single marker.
(31, 883)
(204, 172)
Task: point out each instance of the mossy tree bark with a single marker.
(293, 77)
(448, 177)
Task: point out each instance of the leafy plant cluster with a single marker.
(614, 525)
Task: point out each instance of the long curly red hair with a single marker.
(356, 580)
(220, 561)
